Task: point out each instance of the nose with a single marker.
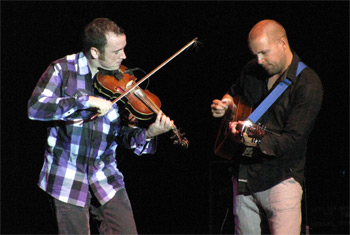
(123, 55)
(260, 58)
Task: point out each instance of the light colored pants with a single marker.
(281, 205)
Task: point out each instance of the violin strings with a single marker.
(146, 100)
(152, 106)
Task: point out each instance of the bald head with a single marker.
(270, 29)
(268, 41)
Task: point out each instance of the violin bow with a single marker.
(128, 90)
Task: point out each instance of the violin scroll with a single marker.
(179, 138)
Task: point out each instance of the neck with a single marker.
(289, 59)
(92, 66)
(272, 81)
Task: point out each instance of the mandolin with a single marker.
(226, 143)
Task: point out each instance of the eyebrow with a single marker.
(119, 49)
(262, 51)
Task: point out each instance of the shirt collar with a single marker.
(292, 70)
(83, 65)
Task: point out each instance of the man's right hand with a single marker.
(219, 107)
(103, 106)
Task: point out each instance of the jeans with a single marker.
(116, 216)
(279, 205)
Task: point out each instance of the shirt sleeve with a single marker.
(47, 103)
(135, 138)
(304, 109)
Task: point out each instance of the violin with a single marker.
(113, 83)
(143, 104)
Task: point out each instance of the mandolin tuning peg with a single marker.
(261, 126)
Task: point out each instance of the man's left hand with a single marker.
(161, 125)
(247, 141)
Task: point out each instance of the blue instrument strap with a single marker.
(272, 97)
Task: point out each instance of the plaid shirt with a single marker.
(79, 155)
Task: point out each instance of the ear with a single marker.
(283, 42)
(94, 52)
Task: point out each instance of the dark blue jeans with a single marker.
(116, 216)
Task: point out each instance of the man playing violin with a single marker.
(268, 174)
(80, 159)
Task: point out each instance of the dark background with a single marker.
(175, 191)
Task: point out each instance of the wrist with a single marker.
(82, 101)
(148, 135)
(228, 102)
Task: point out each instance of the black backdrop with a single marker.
(175, 191)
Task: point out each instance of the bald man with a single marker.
(268, 174)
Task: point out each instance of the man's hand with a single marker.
(161, 125)
(219, 107)
(246, 140)
(103, 106)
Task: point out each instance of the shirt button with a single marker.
(100, 164)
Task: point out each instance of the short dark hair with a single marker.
(95, 33)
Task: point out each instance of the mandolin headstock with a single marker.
(256, 131)
(253, 130)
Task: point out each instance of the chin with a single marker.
(269, 72)
(113, 67)
(117, 66)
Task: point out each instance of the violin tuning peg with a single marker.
(173, 136)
